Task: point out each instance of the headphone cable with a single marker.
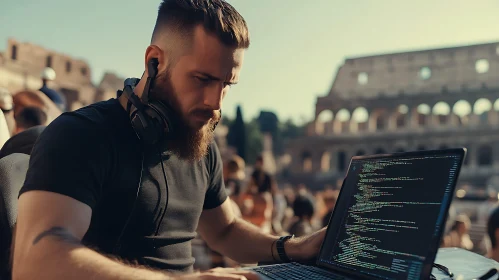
(167, 193)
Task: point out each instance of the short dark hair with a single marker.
(217, 17)
(30, 116)
(493, 225)
(304, 206)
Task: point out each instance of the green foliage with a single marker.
(236, 136)
(255, 141)
(266, 122)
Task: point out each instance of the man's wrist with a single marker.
(291, 248)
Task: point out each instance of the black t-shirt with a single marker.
(93, 155)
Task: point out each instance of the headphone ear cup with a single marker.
(146, 125)
(164, 113)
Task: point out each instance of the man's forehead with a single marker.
(216, 59)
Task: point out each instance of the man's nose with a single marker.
(213, 97)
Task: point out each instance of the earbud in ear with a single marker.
(152, 67)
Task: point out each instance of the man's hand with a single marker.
(221, 273)
(305, 248)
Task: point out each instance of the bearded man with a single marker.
(99, 203)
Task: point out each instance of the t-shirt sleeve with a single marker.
(69, 158)
(215, 194)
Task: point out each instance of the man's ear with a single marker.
(154, 51)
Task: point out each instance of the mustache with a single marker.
(206, 114)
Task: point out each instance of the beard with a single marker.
(186, 140)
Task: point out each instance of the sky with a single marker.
(296, 46)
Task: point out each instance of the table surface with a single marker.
(464, 264)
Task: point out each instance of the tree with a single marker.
(255, 141)
(236, 136)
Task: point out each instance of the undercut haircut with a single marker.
(180, 17)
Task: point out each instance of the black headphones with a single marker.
(152, 119)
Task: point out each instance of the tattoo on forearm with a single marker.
(58, 232)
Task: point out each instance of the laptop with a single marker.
(388, 220)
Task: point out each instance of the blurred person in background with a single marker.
(486, 207)
(30, 123)
(48, 75)
(257, 203)
(7, 107)
(304, 210)
(30, 98)
(234, 177)
(289, 195)
(458, 235)
(280, 205)
(330, 198)
(29, 117)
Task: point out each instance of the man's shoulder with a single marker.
(213, 157)
(98, 115)
(93, 121)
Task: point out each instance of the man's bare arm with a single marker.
(47, 245)
(238, 239)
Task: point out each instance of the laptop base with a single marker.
(290, 271)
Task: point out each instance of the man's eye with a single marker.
(204, 80)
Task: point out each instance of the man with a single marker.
(35, 98)
(493, 233)
(81, 214)
(30, 122)
(48, 74)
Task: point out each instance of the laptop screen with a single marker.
(388, 220)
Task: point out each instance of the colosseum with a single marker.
(426, 99)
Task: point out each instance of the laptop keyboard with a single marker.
(295, 271)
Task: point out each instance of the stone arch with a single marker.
(360, 118)
(341, 161)
(422, 114)
(399, 117)
(322, 121)
(481, 109)
(379, 120)
(485, 155)
(325, 161)
(342, 121)
(441, 111)
(306, 161)
(462, 109)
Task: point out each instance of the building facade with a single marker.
(21, 65)
(428, 99)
